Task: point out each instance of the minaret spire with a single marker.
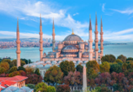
(41, 40)
(53, 34)
(90, 42)
(101, 39)
(96, 41)
(18, 46)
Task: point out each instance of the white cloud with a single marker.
(126, 11)
(75, 14)
(103, 7)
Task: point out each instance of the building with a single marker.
(73, 48)
(16, 81)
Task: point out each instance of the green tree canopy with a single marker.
(21, 68)
(115, 68)
(6, 60)
(118, 61)
(37, 71)
(79, 68)
(5, 65)
(109, 58)
(53, 75)
(51, 89)
(32, 86)
(67, 66)
(2, 70)
(122, 57)
(12, 69)
(105, 67)
(42, 87)
(14, 63)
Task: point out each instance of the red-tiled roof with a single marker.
(17, 78)
(7, 83)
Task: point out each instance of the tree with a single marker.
(118, 61)
(26, 61)
(33, 79)
(66, 67)
(129, 59)
(73, 78)
(109, 58)
(122, 57)
(14, 74)
(2, 70)
(6, 60)
(12, 69)
(116, 68)
(105, 67)
(32, 86)
(53, 75)
(5, 65)
(63, 88)
(92, 69)
(37, 71)
(21, 68)
(29, 70)
(41, 87)
(14, 63)
(51, 89)
(79, 68)
(23, 73)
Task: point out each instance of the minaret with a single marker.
(96, 41)
(101, 39)
(41, 40)
(90, 42)
(53, 34)
(18, 47)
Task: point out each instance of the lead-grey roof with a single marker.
(72, 37)
(69, 47)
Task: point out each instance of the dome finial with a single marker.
(72, 32)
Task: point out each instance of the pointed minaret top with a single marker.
(96, 18)
(40, 20)
(17, 25)
(72, 32)
(53, 23)
(101, 22)
(90, 27)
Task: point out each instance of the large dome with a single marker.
(72, 37)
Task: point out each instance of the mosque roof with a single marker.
(70, 47)
(73, 37)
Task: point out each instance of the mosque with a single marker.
(72, 48)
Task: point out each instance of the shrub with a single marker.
(32, 86)
(63, 88)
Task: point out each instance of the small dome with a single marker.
(72, 37)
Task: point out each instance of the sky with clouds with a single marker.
(117, 16)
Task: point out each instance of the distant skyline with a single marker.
(117, 18)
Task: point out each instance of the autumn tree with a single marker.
(79, 68)
(66, 67)
(63, 88)
(53, 75)
(109, 58)
(2, 70)
(105, 67)
(29, 70)
(5, 65)
(33, 79)
(118, 61)
(6, 60)
(93, 69)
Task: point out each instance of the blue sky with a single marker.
(117, 16)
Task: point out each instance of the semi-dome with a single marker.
(70, 48)
(72, 37)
